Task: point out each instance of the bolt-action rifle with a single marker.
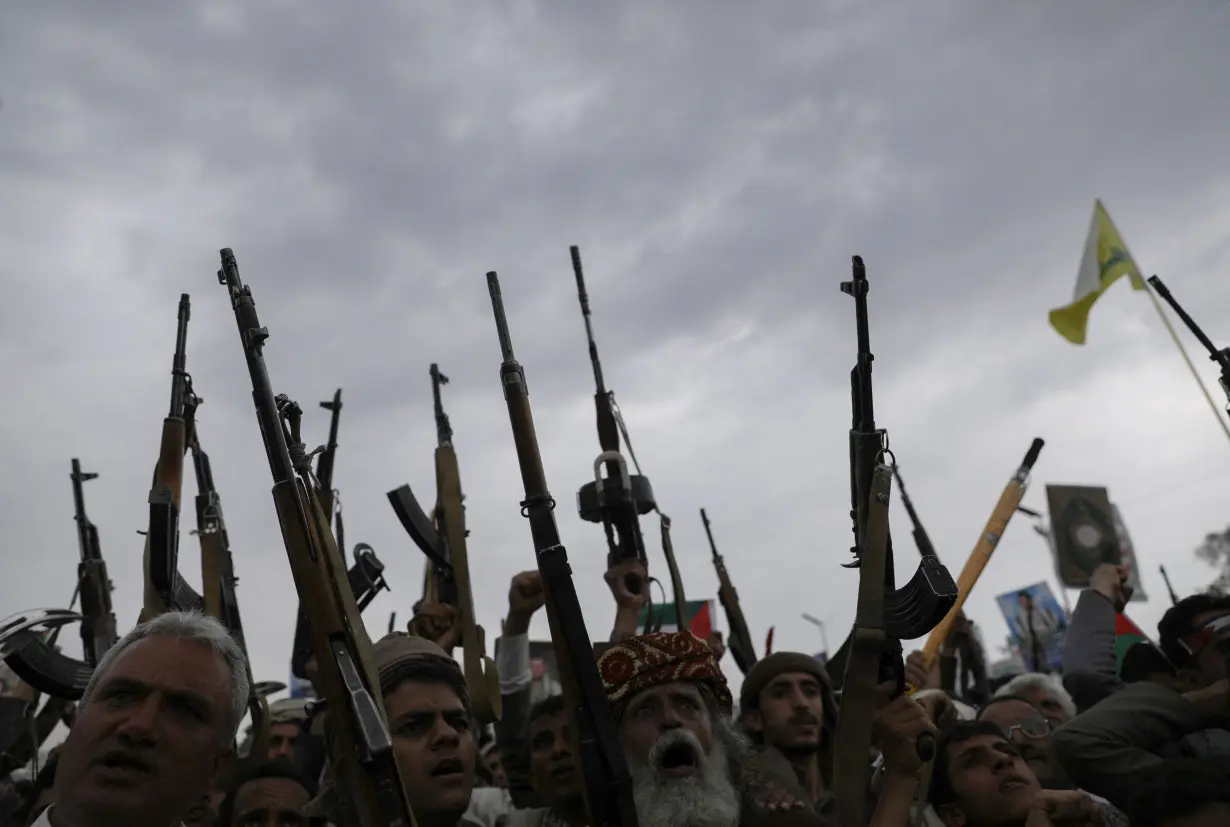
(369, 787)
(607, 784)
(618, 500)
(740, 642)
(165, 589)
(35, 659)
(884, 615)
(449, 542)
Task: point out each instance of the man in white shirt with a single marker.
(155, 727)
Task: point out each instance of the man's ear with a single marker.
(753, 721)
(951, 815)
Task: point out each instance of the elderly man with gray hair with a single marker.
(155, 727)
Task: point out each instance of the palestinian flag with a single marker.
(1127, 635)
(700, 617)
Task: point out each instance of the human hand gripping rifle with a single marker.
(618, 500)
(447, 550)
(1220, 356)
(164, 589)
(218, 582)
(885, 615)
(35, 659)
(607, 784)
(740, 642)
(361, 750)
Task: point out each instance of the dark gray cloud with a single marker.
(717, 169)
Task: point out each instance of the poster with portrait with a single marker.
(1037, 624)
(1127, 556)
(1083, 532)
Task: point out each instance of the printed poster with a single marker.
(1037, 624)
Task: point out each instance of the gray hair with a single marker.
(197, 628)
(1051, 684)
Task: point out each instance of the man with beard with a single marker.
(689, 763)
(981, 780)
(428, 711)
(154, 728)
(786, 706)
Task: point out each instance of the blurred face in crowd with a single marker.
(1048, 703)
(554, 771)
(1030, 733)
(789, 713)
(495, 767)
(1212, 656)
(992, 783)
(269, 802)
(433, 737)
(282, 739)
(151, 740)
(680, 766)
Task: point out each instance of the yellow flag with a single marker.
(1106, 258)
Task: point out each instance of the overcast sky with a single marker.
(718, 168)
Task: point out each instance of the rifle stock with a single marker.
(740, 643)
(361, 750)
(607, 784)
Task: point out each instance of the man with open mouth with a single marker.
(688, 760)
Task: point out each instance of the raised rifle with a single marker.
(740, 642)
(218, 580)
(1174, 598)
(1221, 356)
(449, 542)
(165, 589)
(324, 464)
(884, 615)
(595, 739)
(366, 579)
(618, 500)
(34, 659)
(369, 787)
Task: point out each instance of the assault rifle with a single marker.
(619, 499)
(164, 589)
(1220, 356)
(740, 643)
(34, 659)
(369, 786)
(218, 580)
(324, 463)
(174, 593)
(447, 540)
(607, 783)
(885, 615)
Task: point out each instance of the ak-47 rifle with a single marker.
(324, 465)
(608, 785)
(618, 500)
(33, 658)
(218, 580)
(1221, 356)
(740, 642)
(369, 787)
(165, 589)
(885, 615)
(449, 542)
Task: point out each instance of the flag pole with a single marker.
(1174, 336)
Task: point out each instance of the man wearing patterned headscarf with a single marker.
(689, 764)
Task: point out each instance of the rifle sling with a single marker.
(868, 640)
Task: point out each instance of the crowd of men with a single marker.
(1142, 738)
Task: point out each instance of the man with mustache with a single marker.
(981, 780)
(786, 706)
(434, 733)
(155, 727)
(689, 763)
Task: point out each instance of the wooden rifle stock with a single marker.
(595, 742)
(369, 787)
(482, 678)
(740, 643)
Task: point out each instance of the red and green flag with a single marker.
(1127, 635)
(700, 617)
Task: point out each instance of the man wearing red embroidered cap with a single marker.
(689, 764)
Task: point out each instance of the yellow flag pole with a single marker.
(1174, 336)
